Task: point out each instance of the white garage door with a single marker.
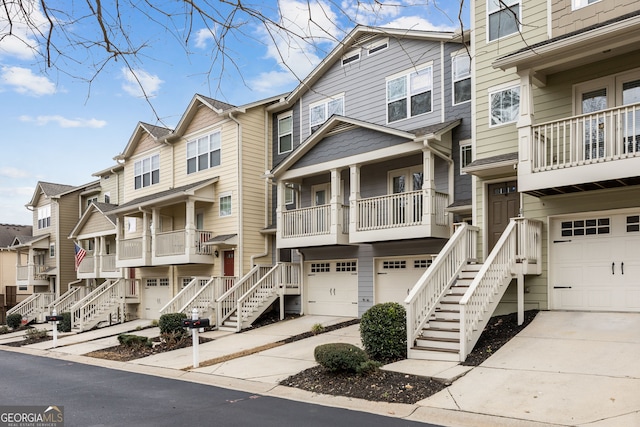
(395, 277)
(156, 293)
(332, 288)
(594, 262)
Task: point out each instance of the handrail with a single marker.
(18, 307)
(206, 296)
(79, 303)
(226, 303)
(268, 282)
(434, 282)
(67, 300)
(185, 294)
(97, 303)
(34, 306)
(516, 245)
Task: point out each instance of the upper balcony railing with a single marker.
(311, 221)
(603, 136)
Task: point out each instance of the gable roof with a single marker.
(26, 241)
(52, 190)
(8, 233)
(361, 35)
(102, 208)
(162, 196)
(340, 123)
(158, 133)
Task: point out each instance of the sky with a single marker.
(61, 122)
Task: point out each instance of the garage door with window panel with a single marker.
(332, 288)
(594, 262)
(395, 277)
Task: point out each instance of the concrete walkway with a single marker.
(565, 369)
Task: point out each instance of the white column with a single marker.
(190, 228)
(335, 227)
(428, 187)
(525, 121)
(279, 210)
(354, 196)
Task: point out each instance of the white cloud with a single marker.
(21, 20)
(65, 122)
(24, 81)
(11, 172)
(417, 23)
(202, 37)
(137, 80)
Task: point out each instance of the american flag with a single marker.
(80, 254)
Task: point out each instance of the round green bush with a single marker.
(130, 340)
(171, 323)
(14, 320)
(343, 357)
(383, 330)
(65, 324)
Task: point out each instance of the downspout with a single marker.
(240, 195)
(266, 190)
(442, 97)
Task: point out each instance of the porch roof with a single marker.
(165, 196)
(26, 241)
(503, 164)
(227, 239)
(593, 43)
(103, 208)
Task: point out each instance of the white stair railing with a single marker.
(262, 290)
(226, 304)
(205, 298)
(436, 280)
(68, 299)
(34, 307)
(185, 295)
(97, 304)
(518, 244)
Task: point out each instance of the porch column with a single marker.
(118, 236)
(428, 187)
(279, 210)
(335, 227)
(525, 122)
(190, 229)
(147, 237)
(97, 255)
(354, 196)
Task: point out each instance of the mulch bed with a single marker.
(396, 387)
(123, 353)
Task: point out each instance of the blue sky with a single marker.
(58, 127)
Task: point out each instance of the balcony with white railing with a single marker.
(400, 216)
(98, 266)
(313, 226)
(588, 151)
(166, 248)
(32, 274)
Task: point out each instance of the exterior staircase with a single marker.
(35, 307)
(200, 293)
(105, 303)
(67, 300)
(450, 305)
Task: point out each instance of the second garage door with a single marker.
(594, 263)
(332, 288)
(395, 277)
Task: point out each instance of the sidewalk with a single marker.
(564, 369)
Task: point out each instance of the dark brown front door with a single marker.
(228, 263)
(504, 204)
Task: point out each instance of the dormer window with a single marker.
(320, 112)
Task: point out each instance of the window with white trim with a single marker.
(52, 250)
(225, 205)
(146, 172)
(346, 266)
(504, 106)
(150, 283)
(91, 200)
(289, 196)
(204, 152)
(163, 281)
(409, 95)
(579, 4)
(461, 78)
(107, 197)
(466, 156)
(503, 18)
(319, 112)
(44, 217)
(320, 267)
(285, 132)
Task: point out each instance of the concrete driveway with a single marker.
(565, 368)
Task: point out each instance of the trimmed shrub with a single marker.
(337, 357)
(14, 320)
(383, 330)
(34, 334)
(4, 329)
(65, 324)
(171, 323)
(130, 340)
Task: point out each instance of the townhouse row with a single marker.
(463, 175)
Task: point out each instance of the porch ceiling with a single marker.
(587, 186)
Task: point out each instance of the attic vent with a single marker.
(364, 39)
(350, 57)
(377, 46)
(341, 128)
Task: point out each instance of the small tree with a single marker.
(383, 330)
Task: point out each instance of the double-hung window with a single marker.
(503, 18)
(203, 153)
(461, 77)
(504, 106)
(320, 112)
(225, 204)
(578, 4)
(466, 155)
(44, 217)
(409, 95)
(285, 133)
(146, 171)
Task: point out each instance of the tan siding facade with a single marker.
(97, 223)
(565, 20)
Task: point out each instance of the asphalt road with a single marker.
(95, 396)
